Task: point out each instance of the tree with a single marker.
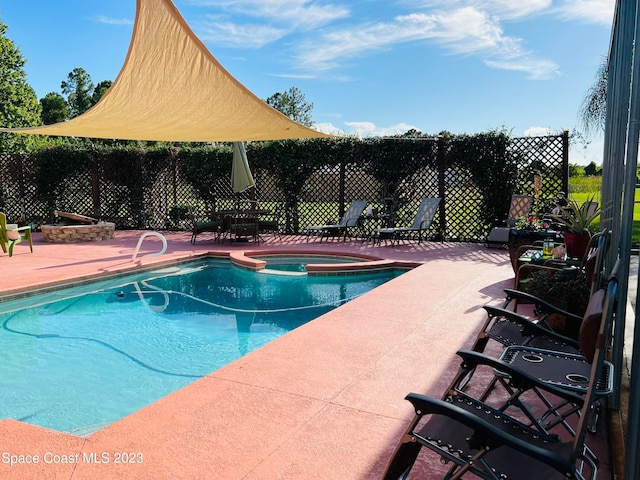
(594, 107)
(293, 104)
(79, 89)
(54, 108)
(19, 105)
(576, 170)
(592, 170)
(100, 90)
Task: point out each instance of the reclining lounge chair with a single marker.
(348, 221)
(520, 206)
(486, 441)
(510, 328)
(421, 223)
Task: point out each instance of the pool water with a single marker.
(79, 359)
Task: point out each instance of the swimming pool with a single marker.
(77, 360)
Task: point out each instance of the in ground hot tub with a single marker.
(314, 263)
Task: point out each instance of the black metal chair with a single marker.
(510, 328)
(420, 226)
(197, 227)
(269, 223)
(348, 221)
(491, 442)
(520, 206)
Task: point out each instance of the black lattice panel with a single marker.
(543, 154)
(463, 204)
(326, 193)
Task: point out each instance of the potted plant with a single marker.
(576, 220)
(566, 289)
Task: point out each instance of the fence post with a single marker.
(341, 188)
(441, 162)
(22, 189)
(95, 188)
(174, 180)
(565, 161)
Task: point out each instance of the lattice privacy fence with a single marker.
(158, 201)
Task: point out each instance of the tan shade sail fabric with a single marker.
(172, 89)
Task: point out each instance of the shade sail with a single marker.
(172, 89)
(241, 177)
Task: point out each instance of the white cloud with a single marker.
(329, 128)
(503, 9)
(537, 69)
(231, 34)
(508, 9)
(297, 14)
(364, 129)
(591, 11)
(368, 129)
(463, 31)
(462, 27)
(583, 154)
(537, 132)
(113, 21)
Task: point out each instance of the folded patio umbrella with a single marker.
(241, 178)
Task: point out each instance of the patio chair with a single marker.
(520, 206)
(550, 356)
(508, 328)
(588, 273)
(421, 223)
(561, 366)
(197, 227)
(486, 441)
(592, 207)
(243, 225)
(10, 234)
(348, 221)
(587, 264)
(269, 222)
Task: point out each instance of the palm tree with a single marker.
(594, 107)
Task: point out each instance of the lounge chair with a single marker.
(510, 328)
(12, 234)
(550, 362)
(348, 221)
(520, 206)
(587, 263)
(480, 439)
(421, 223)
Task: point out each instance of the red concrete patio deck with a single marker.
(325, 401)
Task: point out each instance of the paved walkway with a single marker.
(322, 402)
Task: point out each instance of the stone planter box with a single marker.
(78, 233)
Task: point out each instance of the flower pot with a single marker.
(576, 244)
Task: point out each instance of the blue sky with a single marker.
(369, 67)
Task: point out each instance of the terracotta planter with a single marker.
(576, 244)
